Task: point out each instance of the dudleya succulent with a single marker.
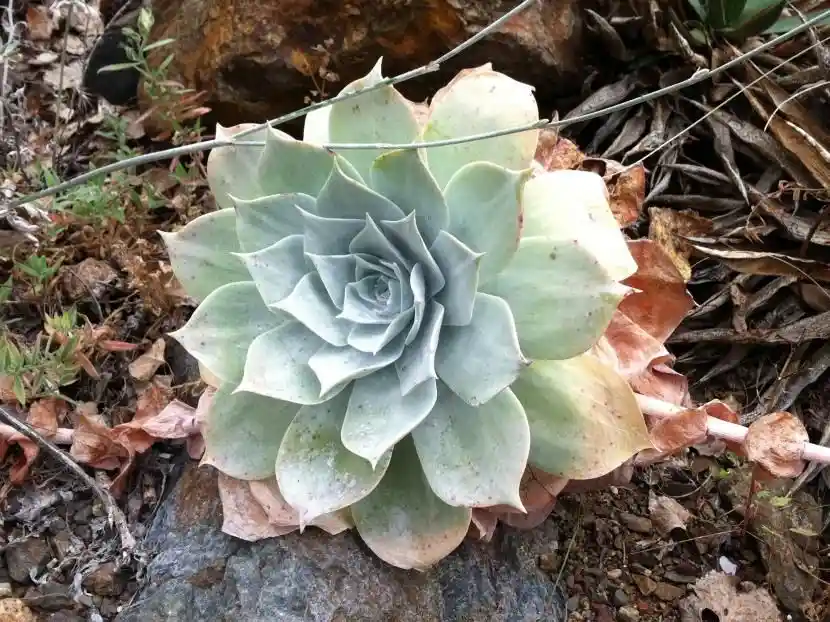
(396, 335)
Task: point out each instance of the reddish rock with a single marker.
(257, 59)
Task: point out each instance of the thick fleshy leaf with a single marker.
(277, 269)
(382, 115)
(372, 338)
(343, 197)
(417, 362)
(418, 285)
(310, 304)
(267, 220)
(337, 366)
(403, 521)
(360, 308)
(277, 365)
(403, 178)
(459, 265)
(379, 416)
(329, 236)
(404, 235)
(221, 329)
(573, 205)
(478, 101)
(243, 432)
(315, 472)
(201, 253)
(232, 171)
(372, 241)
(289, 165)
(584, 419)
(335, 271)
(478, 361)
(561, 298)
(316, 126)
(484, 200)
(474, 456)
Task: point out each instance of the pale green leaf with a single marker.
(574, 205)
(201, 253)
(336, 271)
(336, 366)
(584, 419)
(278, 268)
(403, 178)
(289, 165)
(243, 432)
(266, 220)
(403, 521)
(459, 265)
(478, 361)
(474, 456)
(277, 365)
(315, 472)
(310, 304)
(480, 101)
(404, 235)
(561, 298)
(232, 170)
(329, 236)
(378, 415)
(485, 207)
(221, 329)
(343, 197)
(382, 115)
(417, 362)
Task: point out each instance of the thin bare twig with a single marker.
(698, 77)
(7, 52)
(114, 513)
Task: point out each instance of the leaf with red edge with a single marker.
(776, 443)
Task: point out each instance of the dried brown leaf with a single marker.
(776, 442)
(666, 514)
(668, 227)
(40, 23)
(242, 515)
(554, 153)
(685, 429)
(145, 366)
(767, 263)
(717, 595)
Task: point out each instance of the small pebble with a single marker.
(5, 590)
(628, 614)
(620, 598)
(573, 603)
(669, 592)
(639, 524)
(614, 573)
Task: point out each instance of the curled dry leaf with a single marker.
(145, 366)
(666, 514)
(554, 153)
(628, 191)
(42, 417)
(682, 430)
(717, 595)
(40, 23)
(242, 515)
(538, 493)
(776, 442)
(667, 227)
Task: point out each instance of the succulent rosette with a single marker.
(396, 335)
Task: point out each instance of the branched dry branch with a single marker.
(698, 77)
(114, 513)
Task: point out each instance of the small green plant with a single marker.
(37, 270)
(40, 369)
(171, 100)
(737, 20)
(397, 335)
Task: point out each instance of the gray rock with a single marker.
(200, 574)
(25, 556)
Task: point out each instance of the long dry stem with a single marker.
(698, 77)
